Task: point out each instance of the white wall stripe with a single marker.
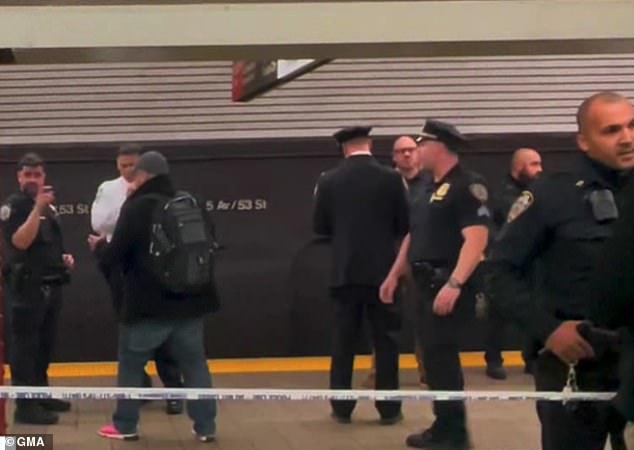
(181, 101)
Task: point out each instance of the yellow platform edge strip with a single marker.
(264, 365)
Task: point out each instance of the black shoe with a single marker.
(433, 439)
(340, 419)
(391, 420)
(496, 371)
(34, 415)
(55, 405)
(173, 407)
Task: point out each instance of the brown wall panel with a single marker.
(272, 276)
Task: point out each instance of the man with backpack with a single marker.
(103, 219)
(163, 243)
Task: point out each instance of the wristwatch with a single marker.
(453, 283)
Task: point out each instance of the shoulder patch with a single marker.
(5, 212)
(521, 204)
(479, 191)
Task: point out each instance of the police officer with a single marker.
(613, 308)
(446, 242)
(526, 167)
(37, 268)
(362, 206)
(561, 223)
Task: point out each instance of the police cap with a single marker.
(436, 130)
(347, 134)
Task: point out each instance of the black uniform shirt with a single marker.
(439, 216)
(561, 223)
(46, 250)
(418, 185)
(504, 199)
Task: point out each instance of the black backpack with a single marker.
(182, 245)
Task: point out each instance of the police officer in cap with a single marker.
(444, 247)
(38, 267)
(562, 223)
(362, 206)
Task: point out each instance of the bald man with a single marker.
(405, 156)
(561, 225)
(526, 166)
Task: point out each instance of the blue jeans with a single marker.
(184, 341)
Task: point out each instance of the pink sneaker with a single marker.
(111, 432)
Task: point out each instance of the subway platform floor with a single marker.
(295, 425)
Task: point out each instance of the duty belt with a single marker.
(430, 274)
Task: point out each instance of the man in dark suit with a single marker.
(362, 206)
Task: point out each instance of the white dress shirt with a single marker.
(105, 209)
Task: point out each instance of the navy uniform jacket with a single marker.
(612, 294)
(362, 206)
(561, 223)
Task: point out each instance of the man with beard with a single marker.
(37, 268)
(526, 167)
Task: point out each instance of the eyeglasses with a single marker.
(401, 151)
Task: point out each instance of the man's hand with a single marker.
(94, 240)
(387, 289)
(69, 261)
(44, 198)
(567, 343)
(446, 300)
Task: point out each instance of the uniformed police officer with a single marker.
(612, 293)
(561, 222)
(526, 167)
(362, 206)
(446, 242)
(37, 268)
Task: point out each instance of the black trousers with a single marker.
(350, 305)
(494, 336)
(495, 332)
(439, 336)
(32, 318)
(166, 366)
(579, 425)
